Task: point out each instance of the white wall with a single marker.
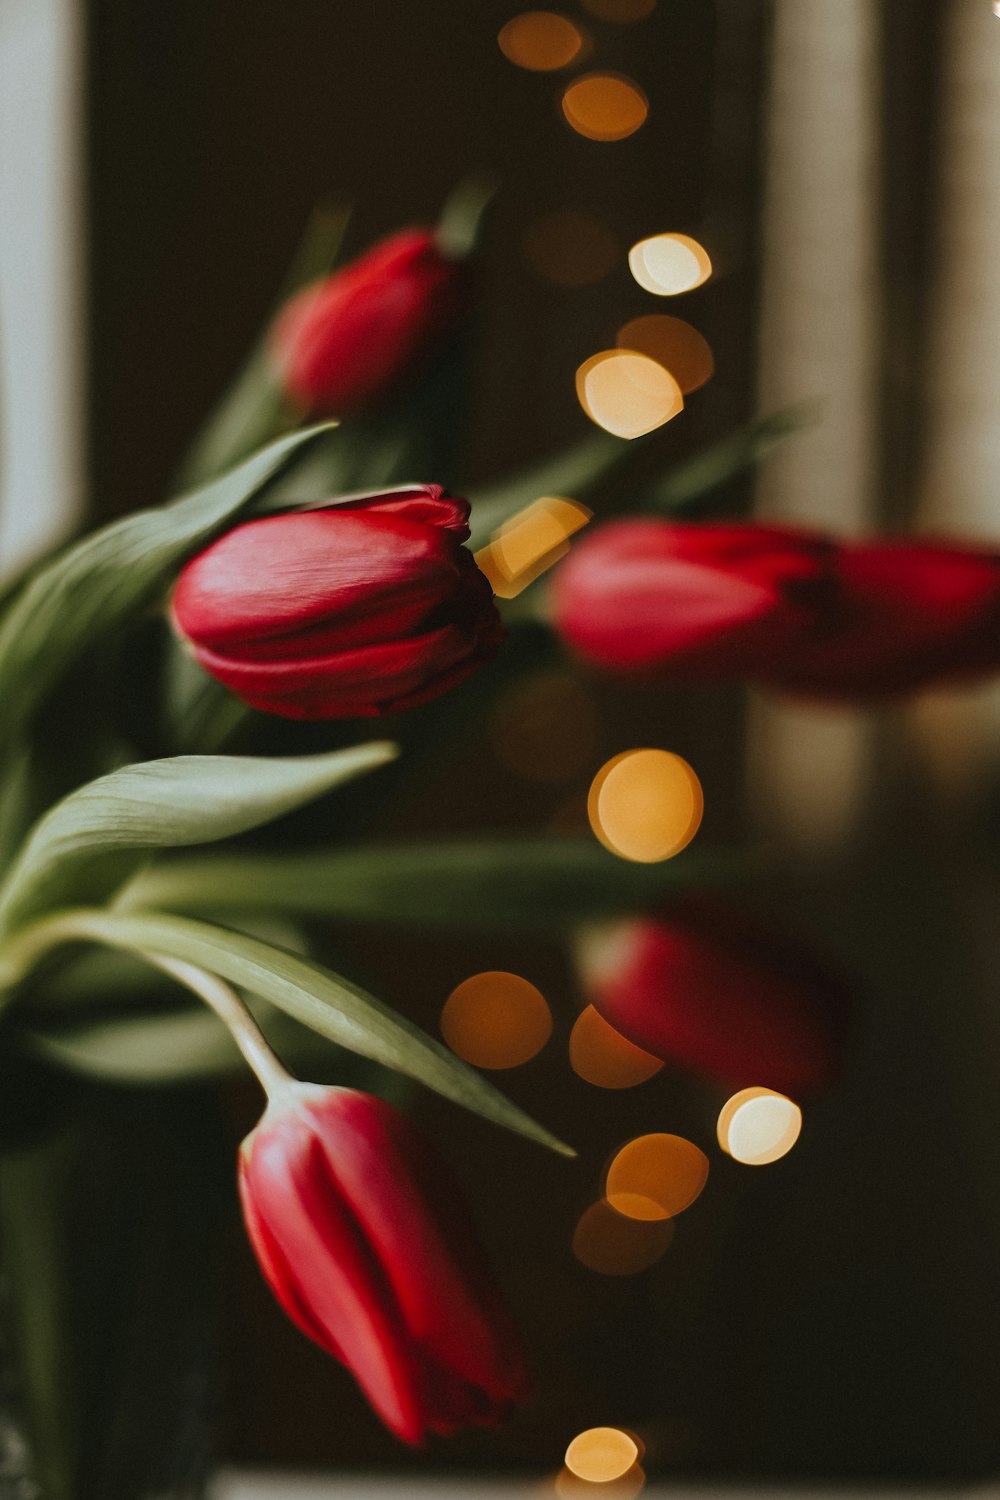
(41, 280)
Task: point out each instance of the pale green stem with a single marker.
(274, 1078)
(20, 953)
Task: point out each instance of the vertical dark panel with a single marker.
(912, 92)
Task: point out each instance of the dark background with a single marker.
(837, 1315)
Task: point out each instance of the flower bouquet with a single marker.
(196, 671)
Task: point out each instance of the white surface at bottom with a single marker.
(275, 1486)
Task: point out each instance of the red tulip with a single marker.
(706, 989)
(901, 614)
(364, 608)
(699, 601)
(368, 1249)
(341, 343)
(792, 609)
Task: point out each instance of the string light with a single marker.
(656, 1177)
(669, 264)
(674, 344)
(496, 1020)
(605, 106)
(645, 805)
(758, 1126)
(541, 41)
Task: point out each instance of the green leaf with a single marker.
(96, 838)
(460, 224)
(330, 1005)
(510, 884)
(184, 1046)
(254, 409)
(697, 478)
(95, 587)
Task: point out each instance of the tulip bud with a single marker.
(365, 608)
(368, 1249)
(705, 989)
(696, 601)
(342, 342)
(901, 614)
(792, 609)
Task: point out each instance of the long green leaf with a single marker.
(337, 1009)
(98, 836)
(184, 1046)
(96, 586)
(518, 884)
(695, 479)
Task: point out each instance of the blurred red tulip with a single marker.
(365, 608)
(708, 990)
(791, 609)
(368, 1248)
(699, 601)
(342, 342)
(901, 614)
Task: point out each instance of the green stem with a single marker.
(274, 1078)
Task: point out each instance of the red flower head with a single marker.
(707, 989)
(367, 1247)
(793, 609)
(365, 608)
(901, 614)
(341, 343)
(698, 601)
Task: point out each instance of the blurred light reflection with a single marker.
(602, 1056)
(605, 106)
(496, 1020)
(601, 1453)
(669, 264)
(758, 1126)
(645, 805)
(674, 344)
(656, 1176)
(529, 543)
(615, 1245)
(541, 41)
(627, 394)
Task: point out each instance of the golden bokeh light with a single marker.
(601, 1055)
(758, 1126)
(645, 805)
(620, 10)
(601, 1453)
(541, 41)
(674, 344)
(570, 248)
(605, 106)
(529, 543)
(569, 1486)
(627, 394)
(669, 264)
(496, 1020)
(545, 727)
(615, 1245)
(656, 1177)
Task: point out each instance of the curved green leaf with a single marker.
(330, 1005)
(184, 1046)
(516, 884)
(95, 838)
(94, 587)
